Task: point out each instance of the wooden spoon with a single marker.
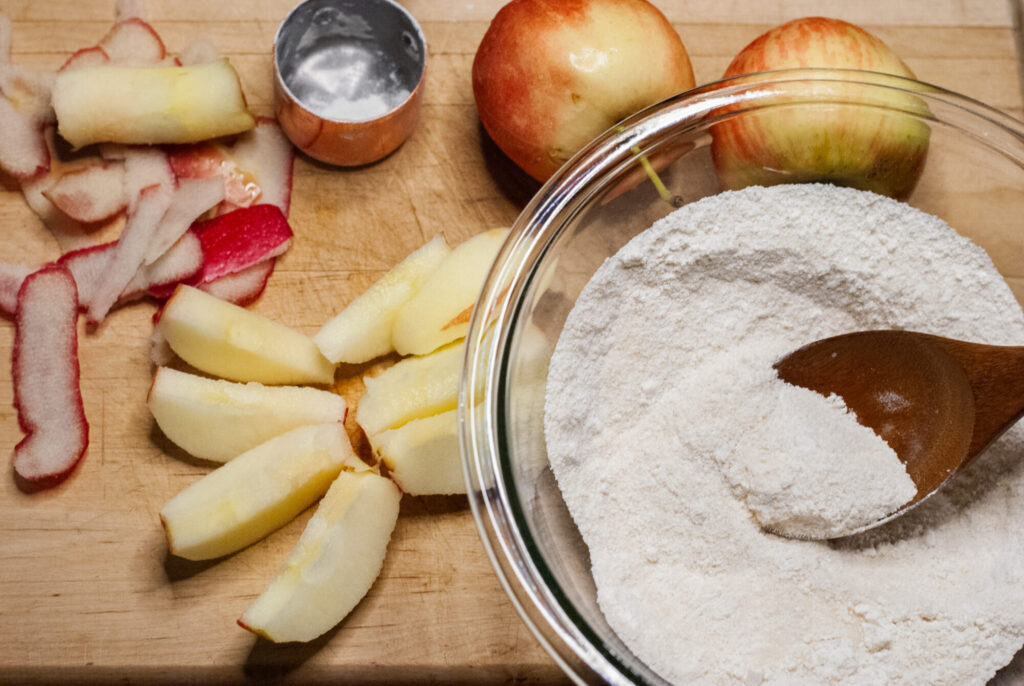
(936, 401)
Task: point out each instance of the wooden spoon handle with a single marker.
(996, 376)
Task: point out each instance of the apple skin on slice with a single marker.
(422, 456)
(362, 331)
(258, 492)
(439, 312)
(234, 343)
(150, 104)
(333, 565)
(218, 420)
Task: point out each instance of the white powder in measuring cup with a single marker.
(664, 434)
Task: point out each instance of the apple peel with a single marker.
(266, 153)
(191, 199)
(91, 193)
(86, 57)
(244, 287)
(133, 42)
(11, 277)
(241, 238)
(23, 152)
(129, 252)
(45, 372)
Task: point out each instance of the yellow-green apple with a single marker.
(871, 146)
(234, 343)
(413, 388)
(439, 311)
(422, 456)
(218, 420)
(362, 331)
(550, 76)
(333, 565)
(149, 104)
(258, 492)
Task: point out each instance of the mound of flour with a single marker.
(670, 438)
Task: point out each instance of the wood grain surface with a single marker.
(87, 590)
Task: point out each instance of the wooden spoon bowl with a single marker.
(936, 401)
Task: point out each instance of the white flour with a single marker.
(662, 469)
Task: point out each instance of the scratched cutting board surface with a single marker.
(87, 591)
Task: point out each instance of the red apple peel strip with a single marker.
(244, 287)
(240, 239)
(11, 278)
(91, 193)
(267, 154)
(46, 379)
(133, 42)
(130, 251)
(192, 198)
(86, 57)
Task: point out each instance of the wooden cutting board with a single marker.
(87, 590)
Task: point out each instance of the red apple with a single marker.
(873, 148)
(550, 76)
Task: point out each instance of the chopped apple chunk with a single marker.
(234, 343)
(362, 331)
(218, 420)
(439, 312)
(414, 388)
(256, 493)
(333, 565)
(149, 104)
(422, 456)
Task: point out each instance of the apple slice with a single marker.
(413, 388)
(333, 565)
(244, 287)
(218, 420)
(90, 193)
(11, 277)
(422, 456)
(150, 104)
(439, 312)
(44, 368)
(234, 343)
(362, 331)
(258, 492)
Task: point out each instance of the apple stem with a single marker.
(662, 189)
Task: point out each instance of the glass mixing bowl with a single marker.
(972, 178)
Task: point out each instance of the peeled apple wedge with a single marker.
(439, 312)
(414, 388)
(234, 343)
(423, 456)
(362, 331)
(149, 104)
(218, 420)
(333, 565)
(258, 492)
